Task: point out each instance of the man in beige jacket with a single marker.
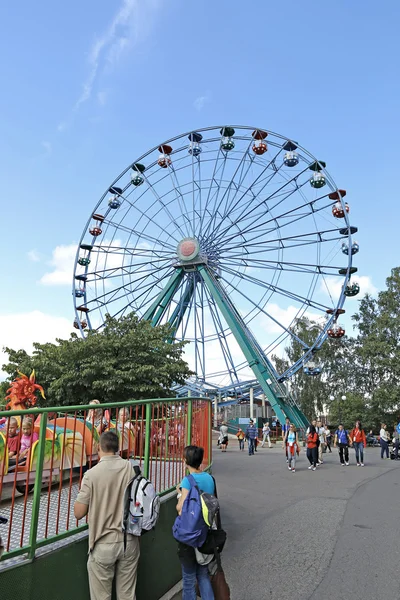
(101, 496)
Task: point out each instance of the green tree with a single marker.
(127, 359)
(377, 349)
(334, 359)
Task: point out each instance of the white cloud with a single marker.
(102, 97)
(201, 101)
(33, 255)
(130, 26)
(47, 147)
(63, 263)
(20, 330)
(284, 316)
(333, 286)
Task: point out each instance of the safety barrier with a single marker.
(39, 485)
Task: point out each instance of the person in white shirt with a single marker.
(384, 441)
(266, 431)
(223, 436)
(320, 429)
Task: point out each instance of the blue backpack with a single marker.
(189, 527)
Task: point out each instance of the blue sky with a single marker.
(87, 87)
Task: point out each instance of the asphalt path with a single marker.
(309, 535)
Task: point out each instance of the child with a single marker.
(240, 437)
(13, 440)
(28, 438)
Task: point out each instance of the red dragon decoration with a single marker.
(21, 395)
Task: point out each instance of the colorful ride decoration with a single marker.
(21, 395)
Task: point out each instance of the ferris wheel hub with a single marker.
(188, 249)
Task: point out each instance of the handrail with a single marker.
(155, 433)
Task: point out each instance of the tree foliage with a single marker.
(127, 359)
(365, 368)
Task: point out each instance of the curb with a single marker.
(170, 595)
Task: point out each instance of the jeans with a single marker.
(312, 455)
(343, 448)
(291, 457)
(241, 444)
(192, 574)
(266, 438)
(251, 443)
(384, 448)
(396, 448)
(359, 448)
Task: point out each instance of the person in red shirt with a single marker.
(359, 441)
(13, 440)
(312, 448)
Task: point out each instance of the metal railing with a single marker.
(38, 488)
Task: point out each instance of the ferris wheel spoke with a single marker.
(262, 224)
(180, 199)
(279, 290)
(133, 251)
(164, 207)
(240, 167)
(280, 240)
(126, 269)
(267, 314)
(112, 295)
(230, 208)
(216, 168)
(287, 266)
(143, 214)
(145, 236)
(248, 211)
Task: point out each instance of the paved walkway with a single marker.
(309, 535)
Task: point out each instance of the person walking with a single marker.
(359, 441)
(396, 442)
(292, 446)
(320, 429)
(101, 497)
(384, 441)
(266, 432)
(312, 450)
(192, 572)
(328, 437)
(251, 436)
(240, 436)
(223, 430)
(342, 439)
(285, 429)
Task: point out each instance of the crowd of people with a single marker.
(319, 439)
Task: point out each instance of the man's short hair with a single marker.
(193, 456)
(109, 442)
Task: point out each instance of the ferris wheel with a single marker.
(231, 234)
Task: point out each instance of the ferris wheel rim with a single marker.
(339, 302)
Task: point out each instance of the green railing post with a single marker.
(189, 419)
(38, 488)
(147, 442)
(210, 416)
